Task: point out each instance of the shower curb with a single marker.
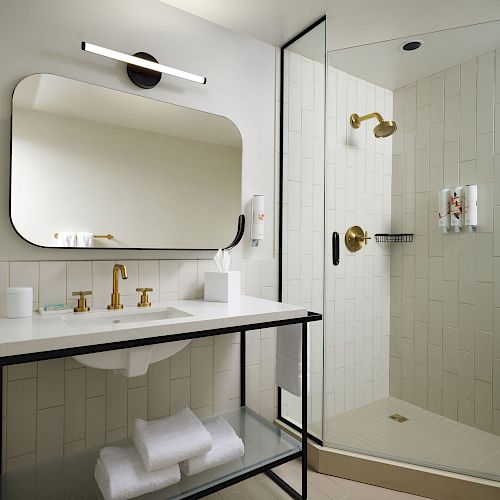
(398, 476)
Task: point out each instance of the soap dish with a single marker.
(43, 312)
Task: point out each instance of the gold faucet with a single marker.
(115, 296)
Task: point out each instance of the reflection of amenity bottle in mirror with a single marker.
(257, 232)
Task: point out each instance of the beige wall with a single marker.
(445, 305)
(148, 189)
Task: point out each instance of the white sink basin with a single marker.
(132, 362)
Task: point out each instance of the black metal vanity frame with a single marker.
(242, 329)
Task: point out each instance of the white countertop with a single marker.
(47, 333)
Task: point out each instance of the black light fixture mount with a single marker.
(143, 77)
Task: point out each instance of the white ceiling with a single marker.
(386, 65)
(350, 22)
(62, 96)
(273, 21)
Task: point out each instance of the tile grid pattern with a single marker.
(303, 211)
(59, 407)
(445, 301)
(358, 180)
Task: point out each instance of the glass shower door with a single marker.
(302, 222)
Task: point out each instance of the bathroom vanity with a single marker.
(137, 334)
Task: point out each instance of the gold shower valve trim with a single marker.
(385, 128)
(356, 238)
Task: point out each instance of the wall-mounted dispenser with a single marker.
(257, 232)
(470, 219)
(458, 208)
(444, 210)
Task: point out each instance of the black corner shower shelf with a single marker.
(394, 238)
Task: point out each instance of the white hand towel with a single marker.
(120, 474)
(84, 240)
(289, 359)
(226, 447)
(170, 440)
(66, 239)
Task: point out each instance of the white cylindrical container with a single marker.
(444, 209)
(456, 207)
(470, 194)
(257, 231)
(19, 302)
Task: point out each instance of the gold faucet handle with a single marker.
(82, 301)
(144, 298)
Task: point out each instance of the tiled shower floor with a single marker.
(425, 438)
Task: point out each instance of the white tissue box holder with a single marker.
(222, 287)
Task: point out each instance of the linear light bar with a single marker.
(137, 61)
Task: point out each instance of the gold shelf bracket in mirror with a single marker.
(356, 238)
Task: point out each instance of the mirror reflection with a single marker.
(97, 167)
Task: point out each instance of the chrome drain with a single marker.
(398, 418)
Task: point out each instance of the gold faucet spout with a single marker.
(115, 296)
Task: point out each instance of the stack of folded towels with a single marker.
(163, 448)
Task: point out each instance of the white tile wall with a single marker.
(303, 224)
(358, 191)
(58, 407)
(457, 305)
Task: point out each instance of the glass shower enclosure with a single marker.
(407, 363)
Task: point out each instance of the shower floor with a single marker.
(424, 439)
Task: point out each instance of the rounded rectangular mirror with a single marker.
(145, 173)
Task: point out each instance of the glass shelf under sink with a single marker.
(72, 478)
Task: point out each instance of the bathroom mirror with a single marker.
(148, 174)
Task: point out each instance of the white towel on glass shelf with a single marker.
(66, 239)
(170, 440)
(289, 359)
(120, 474)
(226, 447)
(84, 240)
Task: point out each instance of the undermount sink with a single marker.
(134, 361)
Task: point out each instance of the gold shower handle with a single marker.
(356, 238)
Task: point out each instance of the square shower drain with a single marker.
(398, 418)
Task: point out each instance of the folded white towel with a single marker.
(170, 440)
(84, 240)
(66, 239)
(120, 474)
(226, 447)
(289, 359)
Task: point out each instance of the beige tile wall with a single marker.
(58, 407)
(445, 307)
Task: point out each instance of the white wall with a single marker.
(358, 192)
(38, 37)
(148, 189)
(45, 37)
(445, 305)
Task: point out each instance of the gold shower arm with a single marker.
(356, 119)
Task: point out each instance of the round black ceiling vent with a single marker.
(411, 45)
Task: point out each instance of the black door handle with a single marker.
(335, 248)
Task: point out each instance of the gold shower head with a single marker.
(385, 128)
